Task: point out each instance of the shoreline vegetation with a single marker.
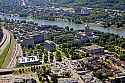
(81, 21)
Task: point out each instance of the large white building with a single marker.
(29, 59)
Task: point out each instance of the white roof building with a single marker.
(29, 59)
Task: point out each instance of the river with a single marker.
(60, 23)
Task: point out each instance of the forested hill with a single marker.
(116, 4)
(113, 4)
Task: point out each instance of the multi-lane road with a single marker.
(16, 51)
(14, 48)
(5, 41)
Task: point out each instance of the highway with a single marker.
(17, 51)
(6, 40)
(14, 54)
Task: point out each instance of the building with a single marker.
(38, 38)
(31, 40)
(24, 2)
(67, 80)
(82, 11)
(21, 80)
(49, 45)
(28, 42)
(13, 78)
(29, 59)
(86, 35)
(87, 28)
(70, 10)
(94, 49)
(120, 79)
(85, 11)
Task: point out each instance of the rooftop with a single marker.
(28, 59)
(93, 47)
(49, 42)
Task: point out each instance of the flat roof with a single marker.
(49, 42)
(93, 47)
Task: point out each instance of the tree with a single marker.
(58, 56)
(51, 57)
(40, 78)
(122, 56)
(76, 56)
(67, 28)
(119, 25)
(23, 70)
(33, 69)
(71, 29)
(101, 74)
(54, 78)
(80, 2)
(122, 44)
(20, 71)
(45, 58)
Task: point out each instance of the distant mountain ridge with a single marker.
(116, 4)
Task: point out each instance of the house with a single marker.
(49, 45)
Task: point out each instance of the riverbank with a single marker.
(61, 23)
